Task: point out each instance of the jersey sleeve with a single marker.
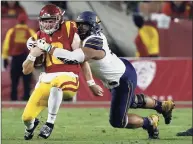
(36, 35)
(94, 43)
(6, 43)
(32, 32)
(74, 26)
(76, 42)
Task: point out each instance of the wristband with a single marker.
(48, 47)
(31, 57)
(90, 82)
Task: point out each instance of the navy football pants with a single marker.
(123, 96)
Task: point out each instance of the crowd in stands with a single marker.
(174, 9)
(148, 16)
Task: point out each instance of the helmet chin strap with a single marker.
(63, 13)
(62, 16)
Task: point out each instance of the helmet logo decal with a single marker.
(79, 18)
(97, 19)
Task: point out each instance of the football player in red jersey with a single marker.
(59, 80)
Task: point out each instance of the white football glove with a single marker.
(43, 45)
(31, 43)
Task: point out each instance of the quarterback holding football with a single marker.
(59, 79)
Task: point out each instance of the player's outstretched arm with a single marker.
(96, 89)
(78, 55)
(86, 71)
(91, 53)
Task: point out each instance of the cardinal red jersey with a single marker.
(61, 38)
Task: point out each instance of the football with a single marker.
(40, 60)
(31, 43)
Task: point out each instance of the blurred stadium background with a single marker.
(165, 75)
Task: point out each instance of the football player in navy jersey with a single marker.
(117, 74)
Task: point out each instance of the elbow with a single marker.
(27, 68)
(26, 72)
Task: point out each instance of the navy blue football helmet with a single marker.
(88, 23)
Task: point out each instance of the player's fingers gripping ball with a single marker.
(31, 43)
(41, 43)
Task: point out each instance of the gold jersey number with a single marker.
(51, 59)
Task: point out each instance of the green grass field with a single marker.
(90, 126)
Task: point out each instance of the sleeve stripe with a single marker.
(94, 42)
(88, 44)
(97, 38)
(97, 47)
(68, 28)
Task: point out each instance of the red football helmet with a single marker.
(50, 18)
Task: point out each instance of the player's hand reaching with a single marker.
(41, 43)
(97, 90)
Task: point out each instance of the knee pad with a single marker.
(139, 101)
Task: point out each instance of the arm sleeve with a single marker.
(70, 57)
(76, 42)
